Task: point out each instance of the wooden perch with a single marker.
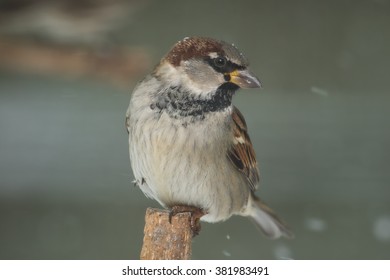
(164, 240)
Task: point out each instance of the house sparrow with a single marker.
(189, 146)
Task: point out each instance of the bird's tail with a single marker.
(267, 220)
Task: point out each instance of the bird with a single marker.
(189, 145)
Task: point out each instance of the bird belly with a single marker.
(188, 165)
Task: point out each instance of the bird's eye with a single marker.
(220, 61)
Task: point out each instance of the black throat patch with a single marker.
(178, 103)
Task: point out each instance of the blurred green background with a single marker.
(320, 128)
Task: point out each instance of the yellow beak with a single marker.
(244, 79)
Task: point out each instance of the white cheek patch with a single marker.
(196, 88)
(199, 78)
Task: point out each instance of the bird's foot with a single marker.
(196, 214)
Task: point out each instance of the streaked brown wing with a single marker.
(241, 153)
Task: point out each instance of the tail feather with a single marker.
(267, 220)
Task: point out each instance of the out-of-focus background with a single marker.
(320, 126)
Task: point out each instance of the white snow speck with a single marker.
(315, 224)
(381, 228)
(228, 237)
(282, 252)
(226, 253)
(319, 91)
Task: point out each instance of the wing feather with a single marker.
(241, 152)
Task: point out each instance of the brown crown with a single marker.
(193, 47)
